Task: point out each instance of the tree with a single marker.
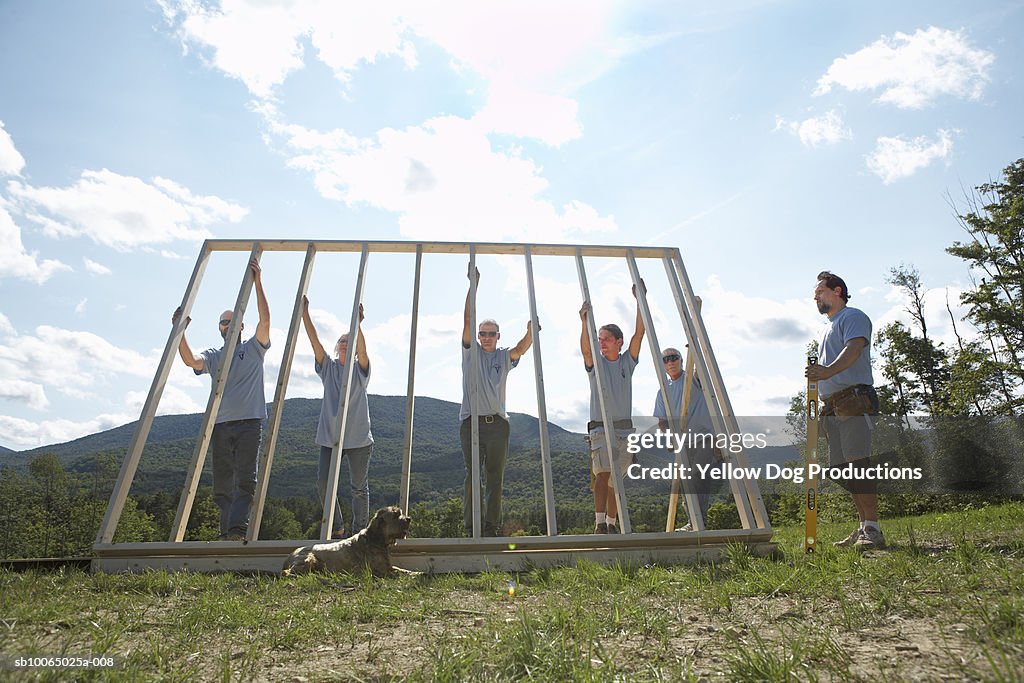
(914, 365)
(995, 224)
(51, 490)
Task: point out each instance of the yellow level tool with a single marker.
(811, 495)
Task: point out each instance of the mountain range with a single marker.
(437, 471)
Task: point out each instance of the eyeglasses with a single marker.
(225, 322)
(670, 358)
(488, 333)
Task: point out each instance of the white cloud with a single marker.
(11, 161)
(570, 43)
(913, 70)
(895, 158)
(15, 261)
(757, 320)
(123, 212)
(827, 129)
(5, 325)
(96, 268)
(173, 401)
(27, 434)
(445, 179)
(445, 176)
(21, 391)
(80, 307)
(68, 359)
(261, 43)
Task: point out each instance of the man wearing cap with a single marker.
(701, 437)
(238, 428)
(493, 367)
(843, 373)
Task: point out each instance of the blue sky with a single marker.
(766, 140)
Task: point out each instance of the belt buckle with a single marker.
(488, 419)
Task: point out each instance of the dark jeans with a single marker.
(236, 450)
(358, 460)
(493, 453)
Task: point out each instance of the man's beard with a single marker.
(824, 307)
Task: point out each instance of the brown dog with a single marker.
(368, 548)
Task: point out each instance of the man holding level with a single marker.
(844, 379)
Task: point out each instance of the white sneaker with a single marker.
(871, 539)
(849, 540)
(686, 527)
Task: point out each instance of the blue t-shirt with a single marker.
(618, 375)
(845, 325)
(494, 369)
(357, 427)
(243, 397)
(698, 418)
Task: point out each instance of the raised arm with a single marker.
(263, 327)
(588, 355)
(184, 350)
(314, 340)
(467, 333)
(361, 356)
(517, 351)
(638, 335)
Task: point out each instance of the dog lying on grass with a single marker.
(368, 548)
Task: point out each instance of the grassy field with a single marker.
(945, 603)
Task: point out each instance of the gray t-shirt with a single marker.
(618, 375)
(494, 369)
(243, 397)
(698, 417)
(357, 427)
(847, 324)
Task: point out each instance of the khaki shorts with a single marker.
(599, 462)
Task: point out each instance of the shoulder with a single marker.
(853, 319)
(254, 344)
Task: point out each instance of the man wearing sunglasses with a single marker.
(238, 427)
(617, 370)
(357, 446)
(494, 366)
(699, 451)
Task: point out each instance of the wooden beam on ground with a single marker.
(492, 554)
